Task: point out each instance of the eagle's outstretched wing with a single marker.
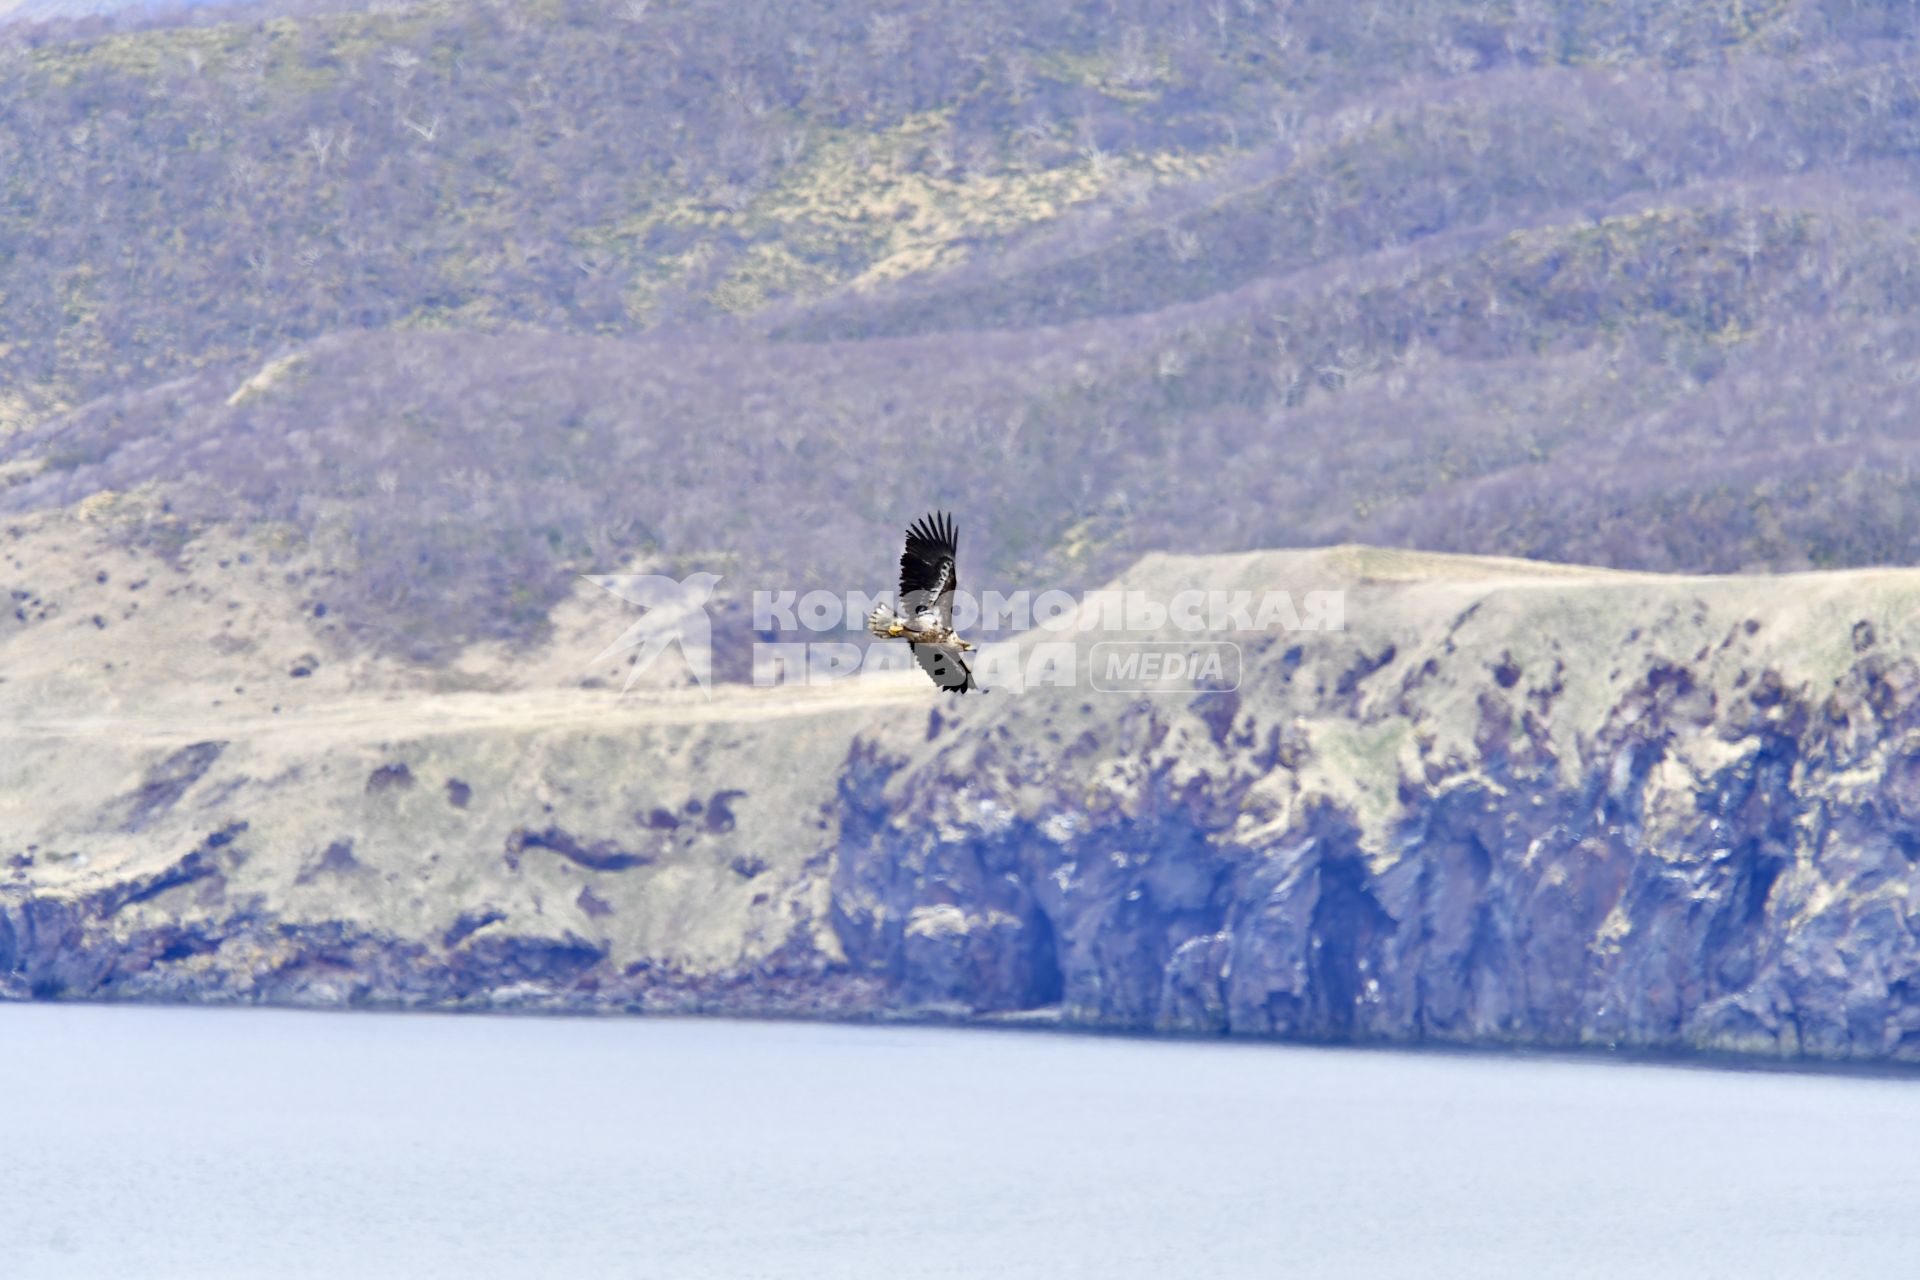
(946, 665)
(927, 574)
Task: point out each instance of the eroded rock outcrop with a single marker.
(1507, 803)
(1610, 812)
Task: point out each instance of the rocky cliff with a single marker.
(1508, 803)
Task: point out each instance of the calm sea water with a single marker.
(206, 1143)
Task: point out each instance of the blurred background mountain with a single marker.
(466, 299)
(50, 10)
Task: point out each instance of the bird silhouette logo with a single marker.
(676, 615)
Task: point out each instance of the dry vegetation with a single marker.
(469, 298)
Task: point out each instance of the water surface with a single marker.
(203, 1143)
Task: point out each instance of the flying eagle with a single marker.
(925, 621)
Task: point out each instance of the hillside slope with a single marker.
(457, 483)
(471, 298)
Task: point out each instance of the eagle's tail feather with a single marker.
(882, 621)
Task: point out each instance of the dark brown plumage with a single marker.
(928, 579)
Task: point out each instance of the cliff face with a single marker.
(206, 795)
(1509, 803)
(1545, 810)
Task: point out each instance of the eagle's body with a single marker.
(928, 580)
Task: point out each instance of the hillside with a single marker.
(467, 299)
(1510, 803)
